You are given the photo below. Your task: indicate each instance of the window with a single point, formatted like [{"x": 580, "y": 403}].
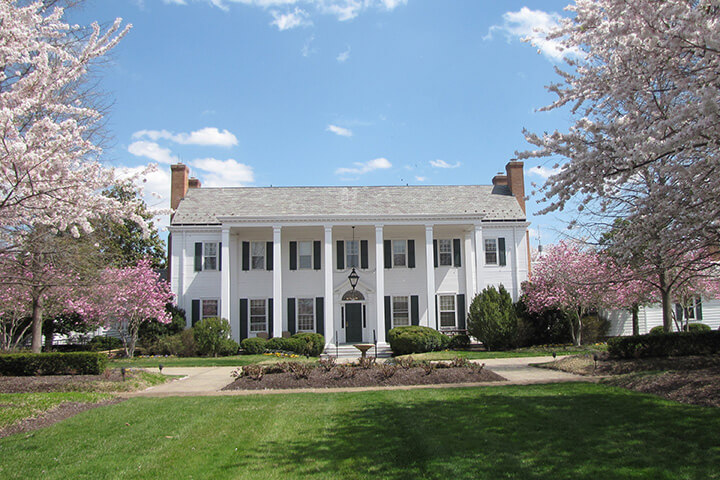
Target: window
[
  {"x": 210, "y": 256},
  {"x": 491, "y": 251},
  {"x": 305, "y": 253},
  {"x": 352, "y": 253},
  {"x": 400, "y": 311},
  {"x": 447, "y": 311},
  {"x": 692, "y": 311},
  {"x": 445, "y": 252},
  {"x": 399, "y": 253},
  {"x": 306, "y": 315},
  {"x": 209, "y": 309},
  {"x": 258, "y": 315},
  {"x": 258, "y": 255}
]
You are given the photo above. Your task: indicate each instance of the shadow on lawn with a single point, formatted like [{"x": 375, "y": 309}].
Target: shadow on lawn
[{"x": 486, "y": 434}]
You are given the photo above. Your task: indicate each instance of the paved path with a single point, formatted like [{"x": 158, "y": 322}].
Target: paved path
[{"x": 209, "y": 381}]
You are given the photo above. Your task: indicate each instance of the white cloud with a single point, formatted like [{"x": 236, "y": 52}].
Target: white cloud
[
  {"x": 443, "y": 164},
  {"x": 533, "y": 26},
  {"x": 343, "y": 56},
  {"x": 288, "y": 20},
  {"x": 208, "y": 136},
  {"x": 543, "y": 172},
  {"x": 223, "y": 173},
  {"x": 153, "y": 151},
  {"x": 365, "y": 167},
  {"x": 343, "y": 132},
  {"x": 307, "y": 48},
  {"x": 155, "y": 189},
  {"x": 420, "y": 179}
]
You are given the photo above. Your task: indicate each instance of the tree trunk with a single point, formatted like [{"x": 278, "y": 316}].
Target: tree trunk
[
  {"x": 636, "y": 319},
  {"x": 666, "y": 303},
  {"x": 37, "y": 307}
]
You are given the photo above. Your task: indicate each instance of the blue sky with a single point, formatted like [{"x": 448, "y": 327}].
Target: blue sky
[{"x": 328, "y": 92}]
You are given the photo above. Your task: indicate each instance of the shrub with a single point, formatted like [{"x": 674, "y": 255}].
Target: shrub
[
  {"x": 254, "y": 346},
  {"x": 459, "y": 342},
  {"x": 294, "y": 345},
  {"x": 152, "y": 331},
  {"x": 594, "y": 329},
  {"x": 314, "y": 343},
  {"x": 415, "y": 339},
  {"x": 212, "y": 337},
  {"x": 657, "y": 330},
  {"x": 551, "y": 326},
  {"x": 75, "y": 363},
  {"x": 698, "y": 327},
  {"x": 104, "y": 343},
  {"x": 492, "y": 319},
  {"x": 665, "y": 344}
]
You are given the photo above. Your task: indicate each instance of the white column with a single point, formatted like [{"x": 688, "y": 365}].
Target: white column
[
  {"x": 379, "y": 284},
  {"x": 277, "y": 283},
  {"x": 469, "y": 268},
  {"x": 329, "y": 304},
  {"x": 430, "y": 269},
  {"x": 225, "y": 275},
  {"x": 479, "y": 258}
]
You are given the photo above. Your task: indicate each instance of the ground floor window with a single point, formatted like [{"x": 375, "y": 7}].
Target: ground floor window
[
  {"x": 306, "y": 314},
  {"x": 400, "y": 311},
  {"x": 258, "y": 315},
  {"x": 209, "y": 309},
  {"x": 447, "y": 311}
]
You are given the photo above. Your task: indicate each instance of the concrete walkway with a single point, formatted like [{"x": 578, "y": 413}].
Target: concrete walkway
[{"x": 209, "y": 381}]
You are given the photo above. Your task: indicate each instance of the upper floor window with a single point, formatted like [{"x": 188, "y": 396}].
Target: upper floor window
[
  {"x": 400, "y": 311},
  {"x": 306, "y": 315},
  {"x": 352, "y": 253},
  {"x": 305, "y": 255},
  {"x": 257, "y": 255},
  {"x": 445, "y": 252},
  {"x": 448, "y": 315},
  {"x": 399, "y": 248},
  {"x": 210, "y": 256},
  {"x": 491, "y": 251}
]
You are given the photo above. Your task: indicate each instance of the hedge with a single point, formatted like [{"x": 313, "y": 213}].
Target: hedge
[
  {"x": 314, "y": 343},
  {"x": 294, "y": 345},
  {"x": 254, "y": 345},
  {"x": 665, "y": 344},
  {"x": 416, "y": 339},
  {"x": 74, "y": 363}
]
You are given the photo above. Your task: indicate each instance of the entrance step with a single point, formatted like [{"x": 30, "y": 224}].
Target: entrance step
[{"x": 349, "y": 351}]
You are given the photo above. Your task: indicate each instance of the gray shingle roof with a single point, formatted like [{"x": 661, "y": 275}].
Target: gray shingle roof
[{"x": 204, "y": 205}]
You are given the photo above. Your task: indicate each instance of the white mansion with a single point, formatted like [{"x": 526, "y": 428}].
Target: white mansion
[{"x": 276, "y": 260}]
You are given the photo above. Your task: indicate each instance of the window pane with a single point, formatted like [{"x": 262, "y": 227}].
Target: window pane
[
  {"x": 210, "y": 256},
  {"x": 258, "y": 255},
  {"x": 399, "y": 253},
  {"x": 491, "y": 251},
  {"x": 400, "y": 311},
  {"x": 447, "y": 319},
  {"x": 445, "y": 252},
  {"x": 306, "y": 314},
  {"x": 210, "y": 249},
  {"x": 209, "y": 308},
  {"x": 352, "y": 253},
  {"x": 447, "y": 302},
  {"x": 305, "y": 254}
]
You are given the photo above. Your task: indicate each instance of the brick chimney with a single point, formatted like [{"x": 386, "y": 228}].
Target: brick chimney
[
  {"x": 500, "y": 180},
  {"x": 516, "y": 181},
  {"x": 178, "y": 184}
]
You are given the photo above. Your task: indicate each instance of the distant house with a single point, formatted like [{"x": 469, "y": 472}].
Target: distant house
[
  {"x": 702, "y": 311},
  {"x": 276, "y": 260}
]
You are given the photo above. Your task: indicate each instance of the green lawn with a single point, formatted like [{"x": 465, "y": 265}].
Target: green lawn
[
  {"x": 520, "y": 352},
  {"x": 16, "y": 406},
  {"x": 231, "y": 361},
  {"x": 563, "y": 431}
]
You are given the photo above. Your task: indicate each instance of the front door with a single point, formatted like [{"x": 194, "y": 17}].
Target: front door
[{"x": 353, "y": 322}]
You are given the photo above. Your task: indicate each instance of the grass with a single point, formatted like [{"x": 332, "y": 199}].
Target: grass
[
  {"x": 17, "y": 406},
  {"x": 562, "y": 431},
  {"x": 517, "y": 353},
  {"x": 231, "y": 361}
]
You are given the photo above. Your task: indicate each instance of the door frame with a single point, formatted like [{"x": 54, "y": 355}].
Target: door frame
[{"x": 363, "y": 319}]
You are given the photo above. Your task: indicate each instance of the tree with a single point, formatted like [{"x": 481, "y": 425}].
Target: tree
[
  {"x": 125, "y": 298},
  {"x": 492, "y": 319},
  {"x": 50, "y": 122},
  {"x": 570, "y": 279}
]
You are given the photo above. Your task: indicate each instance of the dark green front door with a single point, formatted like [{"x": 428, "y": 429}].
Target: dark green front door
[{"x": 353, "y": 322}]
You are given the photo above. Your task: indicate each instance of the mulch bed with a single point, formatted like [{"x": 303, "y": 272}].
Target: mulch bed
[
  {"x": 693, "y": 380},
  {"x": 54, "y": 415},
  {"x": 360, "y": 377},
  {"x": 53, "y": 383}
]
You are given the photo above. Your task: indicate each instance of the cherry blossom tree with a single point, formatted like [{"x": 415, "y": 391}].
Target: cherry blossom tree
[
  {"x": 50, "y": 174},
  {"x": 568, "y": 278},
  {"x": 124, "y": 298}
]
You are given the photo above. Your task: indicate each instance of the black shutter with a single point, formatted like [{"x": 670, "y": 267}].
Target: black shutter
[
  {"x": 320, "y": 315},
  {"x": 501, "y": 252},
  {"x": 387, "y": 249},
  {"x": 195, "y": 312},
  {"x": 457, "y": 253},
  {"x": 270, "y": 316},
  {"x": 698, "y": 308},
  {"x": 679, "y": 312},
  {"x": 291, "y": 316},
  {"x": 435, "y": 253},
  {"x": 411, "y": 253},
  {"x": 364, "y": 254},
  {"x": 414, "y": 310},
  {"x": 437, "y": 314},
  {"x": 244, "y": 318},
  {"x": 461, "y": 311},
  {"x": 219, "y": 256},
  {"x": 246, "y": 255},
  {"x": 293, "y": 255},
  {"x": 316, "y": 255},
  {"x": 340, "y": 255},
  {"x": 269, "y": 256},
  {"x": 198, "y": 256},
  {"x": 388, "y": 316}
]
